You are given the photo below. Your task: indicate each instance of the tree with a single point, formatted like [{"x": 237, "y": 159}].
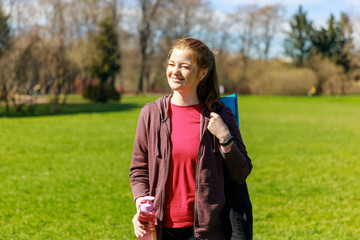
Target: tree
[
  {"x": 5, "y": 43},
  {"x": 84, "y": 17},
  {"x": 61, "y": 69},
  {"x": 192, "y": 19},
  {"x": 270, "y": 18},
  {"x": 5, "y": 36},
  {"x": 326, "y": 41},
  {"x": 346, "y": 42},
  {"x": 105, "y": 61},
  {"x": 149, "y": 9},
  {"x": 246, "y": 21},
  {"x": 115, "y": 20},
  {"x": 335, "y": 43},
  {"x": 298, "y": 43}
]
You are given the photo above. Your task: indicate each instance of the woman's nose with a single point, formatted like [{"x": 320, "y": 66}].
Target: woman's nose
[{"x": 176, "y": 69}]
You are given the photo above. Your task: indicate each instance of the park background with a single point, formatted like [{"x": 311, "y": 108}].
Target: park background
[{"x": 75, "y": 74}]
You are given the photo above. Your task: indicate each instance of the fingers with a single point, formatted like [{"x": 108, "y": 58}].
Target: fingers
[
  {"x": 215, "y": 123},
  {"x": 139, "y": 228},
  {"x": 137, "y": 202},
  {"x": 217, "y": 127}
]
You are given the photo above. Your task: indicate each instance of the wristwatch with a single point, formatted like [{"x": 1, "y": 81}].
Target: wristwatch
[{"x": 227, "y": 142}]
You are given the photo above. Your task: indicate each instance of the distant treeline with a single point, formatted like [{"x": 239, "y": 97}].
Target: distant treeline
[{"x": 101, "y": 48}]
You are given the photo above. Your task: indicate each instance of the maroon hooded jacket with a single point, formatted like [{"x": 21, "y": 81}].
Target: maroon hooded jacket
[{"x": 150, "y": 165}]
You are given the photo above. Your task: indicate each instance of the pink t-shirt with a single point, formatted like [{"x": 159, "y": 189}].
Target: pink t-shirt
[{"x": 180, "y": 184}]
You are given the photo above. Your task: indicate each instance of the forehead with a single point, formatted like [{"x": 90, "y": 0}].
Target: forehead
[{"x": 182, "y": 54}]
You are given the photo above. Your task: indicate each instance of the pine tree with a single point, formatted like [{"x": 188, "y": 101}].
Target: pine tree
[
  {"x": 5, "y": 35},
  {"x": 298, "y": 42},
  {"x": 105, "y": 61},
  {"x": 335, "y": 41}
]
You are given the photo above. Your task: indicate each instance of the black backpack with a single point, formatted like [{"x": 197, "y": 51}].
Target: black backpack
[{"x": 238, "y": 211}]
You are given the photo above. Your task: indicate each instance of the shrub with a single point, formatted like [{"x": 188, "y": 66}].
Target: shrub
[
  {"x": 280, "y": 79},
  {"x": 98, "y": 93}
]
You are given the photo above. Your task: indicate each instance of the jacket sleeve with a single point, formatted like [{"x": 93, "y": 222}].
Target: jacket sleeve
[
  {"x": 236, "y": 161},
  {"x": 139, "y": 173}
]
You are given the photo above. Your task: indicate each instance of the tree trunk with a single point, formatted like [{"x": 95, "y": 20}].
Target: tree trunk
[
  {"x": 319, "y": 88},
  {"x": 7, "y": 107},
  {"x": 148, "y": 11},
  {"x": 5, "y": 96},
  {"x": 343, "y": 86},
  {"x": 144, "y": 38}
]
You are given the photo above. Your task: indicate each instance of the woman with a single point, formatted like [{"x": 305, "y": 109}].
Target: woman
[{"x": 184, "y": 144}]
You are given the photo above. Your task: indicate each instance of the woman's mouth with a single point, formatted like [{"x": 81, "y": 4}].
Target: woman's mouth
[{"x": 176, "y": 79}]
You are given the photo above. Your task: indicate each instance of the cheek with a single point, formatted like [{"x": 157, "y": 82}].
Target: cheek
[
  {"x": 190, "y": 73},
  {"x": 168, "y": 71},
  {"x": 195, "y": 76}
]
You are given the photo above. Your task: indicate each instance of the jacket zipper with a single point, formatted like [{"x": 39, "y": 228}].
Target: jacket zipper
[
  {"x": 202, "y": 128},
  {"x": 167, "y": 166}
]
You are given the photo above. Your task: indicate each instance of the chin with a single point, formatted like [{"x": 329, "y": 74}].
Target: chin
[{"x": 175, "y": 86}]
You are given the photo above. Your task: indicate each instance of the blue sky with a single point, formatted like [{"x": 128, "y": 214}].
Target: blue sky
[{"x": 317, "y": 10}]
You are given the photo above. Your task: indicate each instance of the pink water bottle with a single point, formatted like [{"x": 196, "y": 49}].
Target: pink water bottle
[{"x": 147, "y": 217}]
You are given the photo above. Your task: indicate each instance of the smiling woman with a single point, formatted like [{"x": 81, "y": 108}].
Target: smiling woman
[{"x": 186, "y": 146}]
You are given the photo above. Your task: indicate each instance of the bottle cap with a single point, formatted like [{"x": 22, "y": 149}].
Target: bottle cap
[{"x": 146, "y": 204}]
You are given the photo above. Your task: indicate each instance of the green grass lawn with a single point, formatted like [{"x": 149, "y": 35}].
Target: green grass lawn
[{"x": 66, "y": 176}]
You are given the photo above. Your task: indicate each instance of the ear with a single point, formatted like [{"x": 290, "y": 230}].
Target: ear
[{"x": 203, "y": 73}]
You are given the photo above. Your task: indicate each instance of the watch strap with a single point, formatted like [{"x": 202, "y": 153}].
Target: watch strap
[{"x": 227, "y": 142}]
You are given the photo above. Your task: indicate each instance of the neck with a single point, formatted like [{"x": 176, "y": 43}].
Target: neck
[{"x": 184, "y": 99}]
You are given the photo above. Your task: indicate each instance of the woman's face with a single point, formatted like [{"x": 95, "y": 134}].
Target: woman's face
[{"x": 182, "y": 72}]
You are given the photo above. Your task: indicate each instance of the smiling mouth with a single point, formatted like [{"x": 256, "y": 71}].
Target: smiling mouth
[{"x": 175, "y": 79}]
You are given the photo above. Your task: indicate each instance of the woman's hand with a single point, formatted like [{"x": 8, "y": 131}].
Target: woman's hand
[
  {"x": 139, "y": 228},
  {"x": 219, "y": 129}
]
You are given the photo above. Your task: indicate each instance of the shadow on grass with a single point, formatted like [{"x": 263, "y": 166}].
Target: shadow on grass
[{"x": 71, "y": 108}]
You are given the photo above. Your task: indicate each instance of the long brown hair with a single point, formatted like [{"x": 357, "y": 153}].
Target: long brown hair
[{"x": 207, "y": 89}]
